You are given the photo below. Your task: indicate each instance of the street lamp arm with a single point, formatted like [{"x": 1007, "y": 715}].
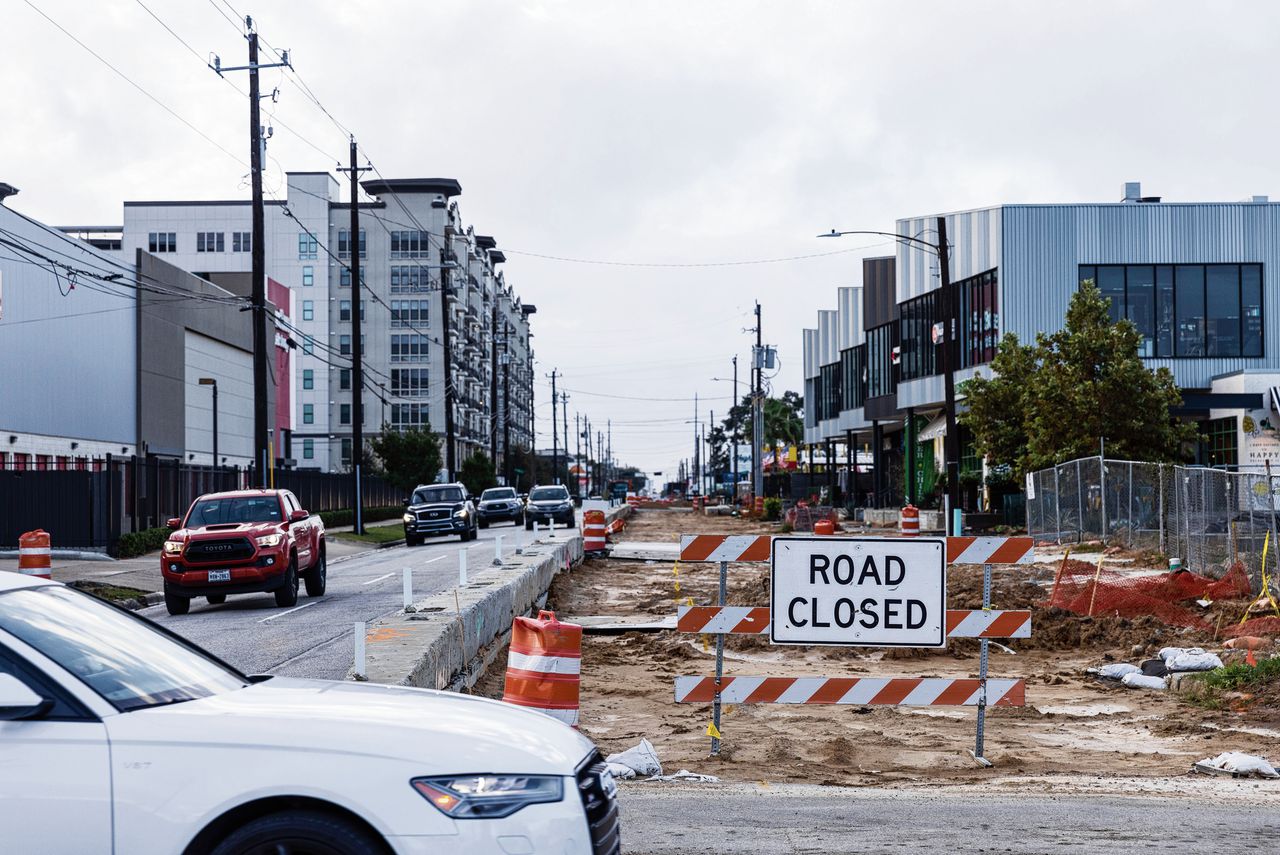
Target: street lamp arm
[{"x": 924, "y": 243}]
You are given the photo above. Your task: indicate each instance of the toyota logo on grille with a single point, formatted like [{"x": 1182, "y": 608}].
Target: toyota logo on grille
[{"x": 219, "y": 547}]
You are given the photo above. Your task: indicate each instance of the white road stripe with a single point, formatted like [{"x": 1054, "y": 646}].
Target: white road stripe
[
  {"x": 379, "y": 579},
  {"x": 289, "y": 611},
  {"x": 434, "y": 560}
]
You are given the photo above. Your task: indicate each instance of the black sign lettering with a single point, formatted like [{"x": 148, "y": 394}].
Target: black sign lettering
[
  {"x": 846, "y": 577},
  {"x": 818, "y": 564},
  {"x": 869, "y": 569},
  {"x": 916, "y": 613},
  {"x": 892, "y": 563},
  {"x": 845, "y": 620},
  {"x": 868, "y": 608},
  {"x": 791, "y": 612},
  {"x": 817, "y": 623}
]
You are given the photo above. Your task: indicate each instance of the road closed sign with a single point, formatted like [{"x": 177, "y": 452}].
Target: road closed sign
[{"x": 859, "y": 591}]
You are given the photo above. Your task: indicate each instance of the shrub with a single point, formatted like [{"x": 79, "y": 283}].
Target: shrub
[
  {"x": 332, "y": 519},
  {"x": 772, "y": 508},
  {"x": 136, "y": 543}
]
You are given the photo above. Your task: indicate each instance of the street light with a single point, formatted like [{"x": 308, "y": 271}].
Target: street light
[
  {"x": 209, "y": 381},
  {"x": 949, "y": 355}
]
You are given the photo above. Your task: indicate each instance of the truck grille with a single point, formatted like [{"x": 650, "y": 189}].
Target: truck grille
[
  {"x": 431, "y": 515},
  {"x": 217, "y": 551},
  {"x": 601, "y": 807}
]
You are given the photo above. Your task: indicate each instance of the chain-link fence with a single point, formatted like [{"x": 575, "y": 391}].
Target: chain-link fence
[{"x": 1209, "y": 518}]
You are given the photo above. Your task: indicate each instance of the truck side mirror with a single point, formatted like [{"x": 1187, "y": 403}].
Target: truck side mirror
[
  {"x": 298, "y": 516},
  {"x": 174, "y": 522}
]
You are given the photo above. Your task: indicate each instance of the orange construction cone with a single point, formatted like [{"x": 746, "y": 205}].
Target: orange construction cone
[{"x": 543, "y": 666}]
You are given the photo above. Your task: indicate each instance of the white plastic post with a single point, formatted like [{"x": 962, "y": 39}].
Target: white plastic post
[
  {"x": 462, "y": 567},
  {"x": 497, "y": 549},
  {"x": 408, "y": 588},
  {"x": 553, "y": 528},
  {"x": 359, "y": 664}
]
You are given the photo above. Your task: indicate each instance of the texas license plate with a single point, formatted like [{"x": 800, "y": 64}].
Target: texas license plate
[{"x": 219, "y": 575}]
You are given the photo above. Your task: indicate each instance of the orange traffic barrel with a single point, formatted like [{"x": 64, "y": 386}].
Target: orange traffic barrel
[
  {"x": 35, "y": 554},
  {"x": 909, "y": 522},
  {"x": 824, "y": 527},
  {"x": 593, "y": 531},
  {"x": 544, "y": 664}
]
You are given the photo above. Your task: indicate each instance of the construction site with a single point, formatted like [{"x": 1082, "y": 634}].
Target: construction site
[{"x": 1095, "y": 614}]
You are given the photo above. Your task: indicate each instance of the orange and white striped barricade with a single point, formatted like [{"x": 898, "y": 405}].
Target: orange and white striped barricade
[
  {"x": 544, "y": 666},
  {"x": 909, "y": 521},
  {"x": 593, "y": 532},
  {"x": 35, "y": 554},
  {"x": 853, "y": 561}
]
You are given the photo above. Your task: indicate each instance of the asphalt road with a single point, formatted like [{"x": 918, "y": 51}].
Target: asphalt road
[
  {"x": 660, "y": 819},
  {"x": 314, "y": 638}
]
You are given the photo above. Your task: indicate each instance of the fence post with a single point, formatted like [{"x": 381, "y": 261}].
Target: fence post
[
  {"x": 1160, "y": 505},
  {"x": 1131, "y": 524},
  {"x": 1102, "y": 490},
  {"x": 1057, "y": 505},
  {"x": 1080, "y": 504}
]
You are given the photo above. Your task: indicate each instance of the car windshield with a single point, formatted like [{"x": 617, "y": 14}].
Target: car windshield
[
  {"x": 437, "y": 494},
  {"x": 548, "y": 494},
  {"x": 117, "y": 655},
  {"x": 497, "y": 493},
  {"x": 238, "y": 509}
]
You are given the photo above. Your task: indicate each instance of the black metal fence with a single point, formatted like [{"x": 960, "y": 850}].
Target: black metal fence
[{"x": 91, "y": 508}]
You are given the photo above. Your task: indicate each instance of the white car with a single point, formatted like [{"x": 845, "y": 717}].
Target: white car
[{"x": 117, "y": 736}]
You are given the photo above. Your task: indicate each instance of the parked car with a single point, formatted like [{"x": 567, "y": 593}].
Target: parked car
[
  {"x": 549, "y": 503},
  {"x": 499, "y": 504},
  {"x": 436, "y": 509},
  {"x": 243, "y": 542},
  {"x": 162, "y": 748}
]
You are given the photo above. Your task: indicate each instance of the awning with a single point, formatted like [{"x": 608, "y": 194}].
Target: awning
[{"x": 933, "y": 430}]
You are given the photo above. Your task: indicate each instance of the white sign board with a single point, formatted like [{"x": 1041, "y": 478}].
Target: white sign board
[{"x": 859, "y": 591}]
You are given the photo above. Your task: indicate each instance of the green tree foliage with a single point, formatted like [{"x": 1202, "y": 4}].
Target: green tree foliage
[
  {"x": 783, "y": 420},
  {"x": 409, "y": 457},
  {"x": 1053, "y": 401},
  {"x": 477, "y": 473}
]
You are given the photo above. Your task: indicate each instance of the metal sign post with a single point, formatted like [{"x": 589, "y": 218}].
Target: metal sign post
[
  {"x": 983, "y": 645},
  {"x": 716, "y": 702}
]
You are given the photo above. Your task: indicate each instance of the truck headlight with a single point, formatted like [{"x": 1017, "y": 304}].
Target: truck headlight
[
  {"x": 270, "y": 539},
  {"x": 488, "y": 796},
  {"x": 173, "y": 547},
  {"x": 409, "y": 518},
  {"x": 462, "y": 514}
]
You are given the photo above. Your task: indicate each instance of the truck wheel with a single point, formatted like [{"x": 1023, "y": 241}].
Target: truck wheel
[
  {"x": 484, "y": 523},
  {"x": 216, "y": 599},
  {"x": 316, "y": 578},
  {"x": 288, "y": 594},
  {"x": 175, "y": 604},
  {"x": 412, "y": 540},
  {"x": 300, "y": 831}
]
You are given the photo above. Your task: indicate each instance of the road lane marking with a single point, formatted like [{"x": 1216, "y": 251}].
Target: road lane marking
[
  {"x": 288, "y": 612},
  {"x": 379, "y": 579},
  {"x": 434, "y": 560}
]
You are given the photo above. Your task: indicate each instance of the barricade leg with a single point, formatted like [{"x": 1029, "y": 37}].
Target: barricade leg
[
  {"x": 715, "y": 703},
  {"x": 983, "y": 649}
]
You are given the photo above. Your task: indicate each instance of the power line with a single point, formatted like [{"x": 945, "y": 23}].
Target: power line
[{"x": 672, "y": 264}]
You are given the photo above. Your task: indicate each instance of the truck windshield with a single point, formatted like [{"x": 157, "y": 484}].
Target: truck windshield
[
  {"x": 498, "y": 493},
  {"x": 437, "y": 494},
  {"x": 240, "y": 509},
  {"x": 548, "y": 494}
]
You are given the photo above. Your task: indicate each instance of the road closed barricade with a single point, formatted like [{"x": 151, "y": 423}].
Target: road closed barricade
[{"x": 861, "y": 592}]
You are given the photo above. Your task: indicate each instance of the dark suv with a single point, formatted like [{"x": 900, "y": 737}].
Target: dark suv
[
  {"x": 440, "y": 509},
  {"x": 549, "y": 503},
  {"x": 499, "y": 504}
]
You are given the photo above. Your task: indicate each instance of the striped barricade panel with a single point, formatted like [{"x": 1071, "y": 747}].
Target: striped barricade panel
[
  {"x": 990, "y": 550},
  {"x": 748, "y": 620},
  {"x": 960, "y": 550},
  {"x": 859, "y": 691}
]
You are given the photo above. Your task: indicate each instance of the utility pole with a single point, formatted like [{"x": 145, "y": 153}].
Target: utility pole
[
  {"x": 696, "y": 485},
  {"x": 711, "y": 420},
  {"x": 357, "y": 349},
  {"x": 734, "y": 440},
  {"x": 577, "y": 454},
  {"x": 258, "y": 278},
  {"x": 951, "y": 443},
  {"x": 757, "y": 413},
  {"x": 493, "y": 388},
  {"x": 555, "y": 442},
  {"x": 506, "y": 406},
  {"x": 609, "y": 454},
  {"x": 446, "y": 258},
  {"x": 564, "y": 403}
]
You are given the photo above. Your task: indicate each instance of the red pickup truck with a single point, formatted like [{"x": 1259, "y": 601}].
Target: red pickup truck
[{"x": 243, "y": 542}]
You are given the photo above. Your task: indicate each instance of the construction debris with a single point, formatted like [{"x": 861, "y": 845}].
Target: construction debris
[
  {"x": 641, "y": 760},
  {"x": 1141, "y": 681},
  {"x": 1237, "y": 765}
]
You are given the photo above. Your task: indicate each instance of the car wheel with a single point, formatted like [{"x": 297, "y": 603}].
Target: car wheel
[
  {"x": 410, "y": 540},
  {"x": 300, "y": 831},
  {"x": 216, "y": 599},
  {"x": 316, "y": 578},
  {"x": 287, "y": 595},
  {"x": 484, "y": 523},
  {"x": 177, "y": 605}
]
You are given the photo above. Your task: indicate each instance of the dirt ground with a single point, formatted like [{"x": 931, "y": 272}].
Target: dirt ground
[{"x": 1072, "y": 728}]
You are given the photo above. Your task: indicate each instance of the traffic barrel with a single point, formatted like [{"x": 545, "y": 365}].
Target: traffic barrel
[
  {"x": 909, "y": 521},
  {"x": 824, "y": 527},
  {"x": 593, "y": 532},
  {"x": 34, "y": 554},
  {"x": 759, "y": 506},
  {"x": 544, "y": 664}
]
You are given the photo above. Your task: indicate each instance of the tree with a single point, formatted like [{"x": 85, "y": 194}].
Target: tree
[
  {"x": 783, "y": 420},
  {"x": 410, "y": 457},
  {"x": 1054, "y": 400},
  {"x": 718, "y": 457},
  {"x": 477, "y": 473}
]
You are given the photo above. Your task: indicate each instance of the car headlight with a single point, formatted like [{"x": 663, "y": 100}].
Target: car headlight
[
  {"x": 462, "y": 514},
  {"x": 488, "y": 796},
  {"x": 173, "y": 547},
  {"x": 271, "y": 539},
  {"x": 409, "y": 518}
]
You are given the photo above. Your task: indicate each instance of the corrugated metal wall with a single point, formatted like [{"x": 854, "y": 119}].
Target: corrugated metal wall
[
  {"x": 974, "y": 239},
  {"x": 879, "y": 292},
  {"x": 850, "y": 308},
  {"x": 811, "y": 363},
  {"x": 828, "y": 337}
]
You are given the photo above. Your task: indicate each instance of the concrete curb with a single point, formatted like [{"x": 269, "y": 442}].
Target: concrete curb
[{"x": 65, "y": 554}]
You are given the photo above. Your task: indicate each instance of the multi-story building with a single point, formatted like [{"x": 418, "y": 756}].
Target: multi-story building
[
  {"x": 1194, "y": 278},
  {"x": 412, "y": 244}
]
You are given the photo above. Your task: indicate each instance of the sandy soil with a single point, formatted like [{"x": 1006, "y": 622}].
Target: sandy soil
[{"x": 1072, "y": 726}]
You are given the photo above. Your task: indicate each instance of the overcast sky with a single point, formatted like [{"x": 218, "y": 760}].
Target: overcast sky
[{"x": 650, "y": 132}]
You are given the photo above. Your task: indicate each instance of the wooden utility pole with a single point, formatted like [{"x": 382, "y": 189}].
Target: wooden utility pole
[{"x": 357, "y": 349}]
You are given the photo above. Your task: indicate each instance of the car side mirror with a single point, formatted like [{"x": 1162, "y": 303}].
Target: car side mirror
[
  {"x": 298, "y": 516},
  {"x": 17, "y": 701},
  {"x": 406, "y": 503},
  {"x": 174, "y": 522}
]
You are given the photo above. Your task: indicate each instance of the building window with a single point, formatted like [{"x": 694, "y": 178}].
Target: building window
[
  {"x": 344, "y": 345},
  {"x": 308, "y": 276},
  {"x": 308, "y": 414},
  {"x": 308, "y": 378},
  {"x": 915, "y": 332},
  {"x": 853, "y": 374},
  {"x": 307, "y": 246},
  {"x": 880, "y": 344},
  {"x": 1186, "y": 310},
  {"x": 409, "y": 244},
  {"x": 308, "y": 345},
  {"x": 408, "y": 313},
  {"x": 409, "y": 382},
  {"x": 344, "y": 310},
  {"x": 828, "y": 391},
  {"x": 346, "y": 451},
  {"x": 308, "y": 310},
  {"x": 979, "y": 313},
  {"x": 1220, "y": 441},
  {"x": 344, "y": 378},
  {"x": 408, "y": 279},
  {"x": 210, "y": 242},
  {"x": 344, "y": 243},
  {"x": 162, "y": 241},
  {"x": 344, "y": 414},
  {"x": 242, "y": 241},
  {"x": 408, "y": 348},
  {"x": 409, "y": 415},
  {"x": 308, "y": 449}
]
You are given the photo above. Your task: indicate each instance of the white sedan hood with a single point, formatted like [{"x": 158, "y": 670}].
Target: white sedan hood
[{"x": 442, "y": 732}]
